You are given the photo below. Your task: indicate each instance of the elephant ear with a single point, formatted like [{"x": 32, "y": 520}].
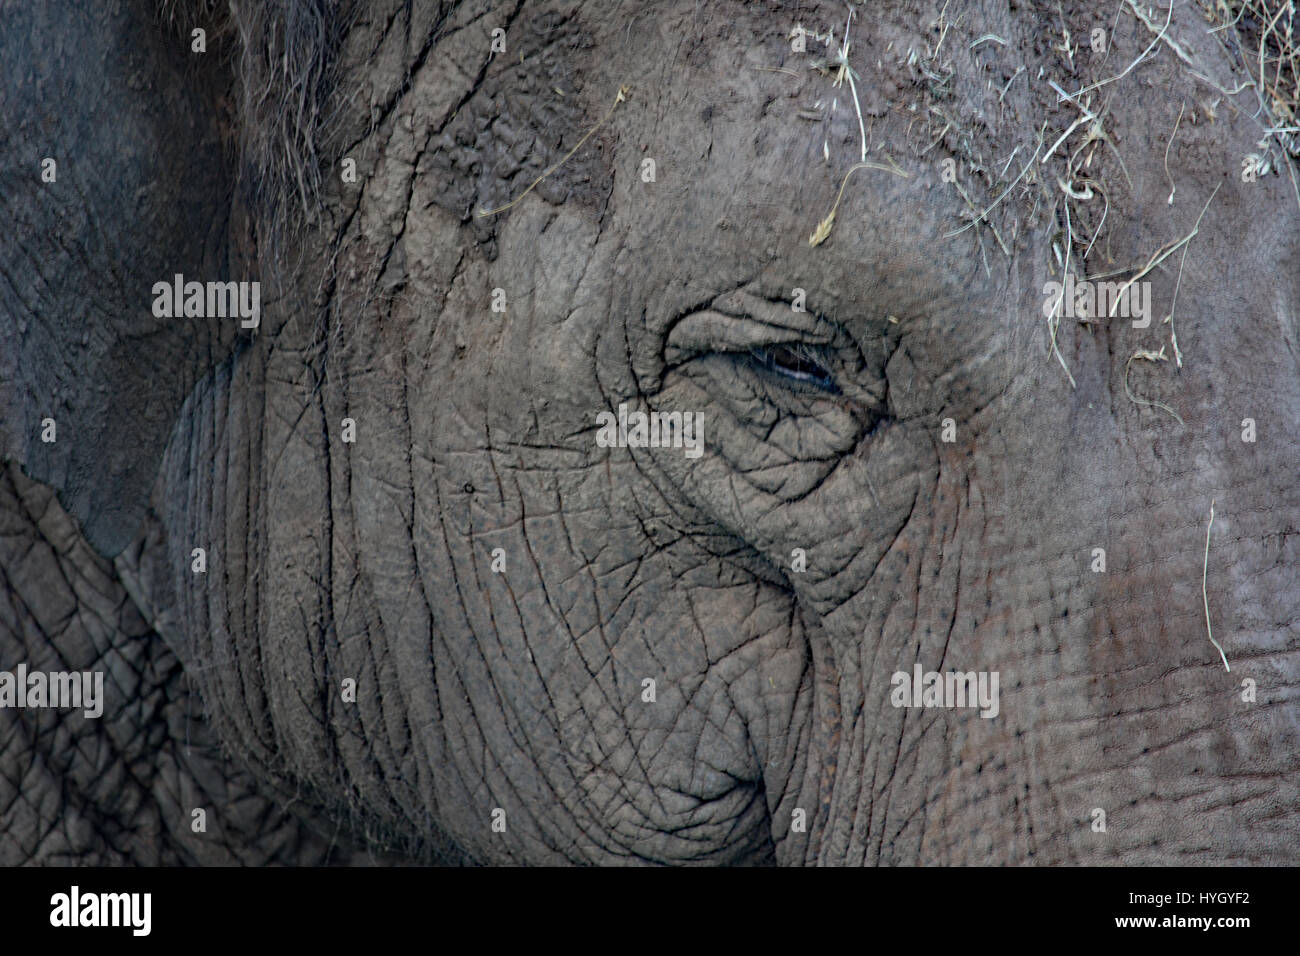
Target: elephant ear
[{"x": 116, "y": 178}]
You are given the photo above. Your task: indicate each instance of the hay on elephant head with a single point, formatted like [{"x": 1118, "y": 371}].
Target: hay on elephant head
[{"x": 1269, "y": 29}]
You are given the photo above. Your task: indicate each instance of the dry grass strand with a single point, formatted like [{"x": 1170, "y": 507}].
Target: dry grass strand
[
  {"x": 823, "y": 230},
  {"x": 620, "y": 97}
]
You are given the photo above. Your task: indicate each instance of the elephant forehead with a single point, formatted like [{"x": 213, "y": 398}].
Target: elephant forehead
[{"x": 738, "y": 178}]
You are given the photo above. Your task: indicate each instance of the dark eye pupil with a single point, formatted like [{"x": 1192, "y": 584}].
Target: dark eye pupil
[{"x": 796, "y": 363}]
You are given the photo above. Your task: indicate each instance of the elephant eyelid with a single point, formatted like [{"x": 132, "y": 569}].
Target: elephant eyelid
[
  {"x": 713, "y": 330},
  {"x": 796, "y": 363}
]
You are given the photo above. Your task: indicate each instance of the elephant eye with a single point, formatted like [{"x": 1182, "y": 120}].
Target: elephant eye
[{"x": 796, "y": 363}]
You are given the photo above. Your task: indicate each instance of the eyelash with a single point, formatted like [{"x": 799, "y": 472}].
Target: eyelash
[{"x": 795, "y": 363}]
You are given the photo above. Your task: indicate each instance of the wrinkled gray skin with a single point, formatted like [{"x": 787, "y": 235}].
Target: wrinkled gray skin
[{"x": 475, "y": 430}]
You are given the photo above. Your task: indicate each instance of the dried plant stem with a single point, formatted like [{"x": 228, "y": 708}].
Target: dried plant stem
[
  {"x": 846, "y": 72},
  {"x": 1105, "y": 210},
  {"x": 1162, "y": 254},
  {"x": 622, "y": 95},
  {"x": 1141, "y": 56},
  {"x": 1148, "y": 356},
  {"x": 1160, "y": 34},
  {"x": 1019, "y": 70},
  {"x": 1072, "y": 127},
  {"x": 1053, "y": 326},
  {"x": 1173, "y": 335},
  {"x": 1025, "y": 169},
  {"x": 824, "y": 227},
  {"x": 996, "y": 235},
  {"x": 1205, "y": 597},
  {"x": 853, "y": 88},
  {"x": 1172, "y": 187}
]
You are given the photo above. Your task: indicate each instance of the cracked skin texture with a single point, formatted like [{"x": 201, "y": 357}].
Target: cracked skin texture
[{"x": 475, "y": 430}]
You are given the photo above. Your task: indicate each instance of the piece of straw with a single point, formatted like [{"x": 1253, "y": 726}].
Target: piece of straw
[
  {"x": 622, "y": 95},
  {"x": 1204, "y": 568},
  {"x": 823, "y": 229}
]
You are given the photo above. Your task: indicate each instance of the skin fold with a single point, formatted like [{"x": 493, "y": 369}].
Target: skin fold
[{"x": 901, "y": 473}]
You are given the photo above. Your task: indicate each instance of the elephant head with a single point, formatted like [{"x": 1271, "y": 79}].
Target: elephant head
[{"x": 687, "y": 433}]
